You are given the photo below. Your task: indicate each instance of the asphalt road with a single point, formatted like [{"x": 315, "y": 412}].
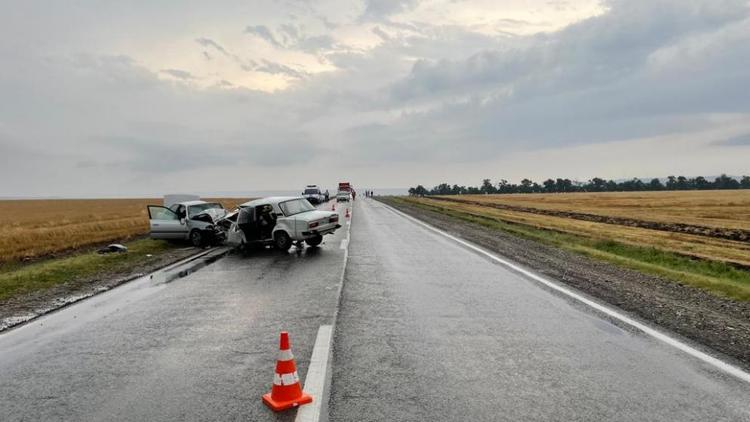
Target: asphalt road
[
  {"x": 430, "y": 330},
  {"x": 201, "y": 347}
]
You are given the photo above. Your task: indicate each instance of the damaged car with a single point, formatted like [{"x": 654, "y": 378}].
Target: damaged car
[
  {"x": 279, "y": 222},
  {"x": 193, "y": 220}
]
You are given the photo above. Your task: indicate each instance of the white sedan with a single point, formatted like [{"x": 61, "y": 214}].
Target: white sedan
[{"x": 278, "y": 221}]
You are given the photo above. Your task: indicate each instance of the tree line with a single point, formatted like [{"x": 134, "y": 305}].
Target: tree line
[{"x": 596, "y": 184}]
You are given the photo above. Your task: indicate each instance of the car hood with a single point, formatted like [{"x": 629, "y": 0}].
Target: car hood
[
  {"x": 313, "y": 215},
  {"x": 216, "y": 214}
]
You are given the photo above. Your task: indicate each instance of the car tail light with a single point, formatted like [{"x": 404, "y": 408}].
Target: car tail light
[
  {"x": 314, "y": 224},
  {"x": 334, "y": 218}
]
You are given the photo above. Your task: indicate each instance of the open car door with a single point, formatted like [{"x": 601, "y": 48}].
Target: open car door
[
  {"x": 165, "y": 223},
  {"x": 246, "y": 223}
]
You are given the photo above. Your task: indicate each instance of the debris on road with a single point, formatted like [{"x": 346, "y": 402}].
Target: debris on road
[{"x": 113, "y": 248}]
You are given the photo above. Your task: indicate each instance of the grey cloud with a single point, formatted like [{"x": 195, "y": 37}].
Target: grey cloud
[
  {"x": 163, "y": 156},
  {"x": 279, "y": 69},
  {"x": 426, "y": 94},
  {"x": 742, "y": 140},
  {"x": 381, "y": 9},
  {"x": 293, "y": 38},
  {"x": 179, "y": 74},
  {"x": 264, "y": 33},
  {"x": 380, "y": 33},
  {"x": 289, "y": 31},
  {"x": 618, "y": 76},
  {"x": 316, "y": 44},
  {"x": 246, "y": 65},
  {"x": 207, "y": 42}
]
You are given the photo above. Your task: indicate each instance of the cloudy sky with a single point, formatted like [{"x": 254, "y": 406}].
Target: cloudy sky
[{"x": 145, "y": 97}]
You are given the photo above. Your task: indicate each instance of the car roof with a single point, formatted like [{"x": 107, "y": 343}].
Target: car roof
[
  {"x": 269, "y": 200},
  {"x": 188, "y": 203}
]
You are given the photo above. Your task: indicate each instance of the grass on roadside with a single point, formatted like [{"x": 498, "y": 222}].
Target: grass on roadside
[
  {"x": 17, "y": 279},
  {"x": 716, "y": 277}
]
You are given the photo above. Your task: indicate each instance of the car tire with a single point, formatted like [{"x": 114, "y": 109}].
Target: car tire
[
  {"x": 283, "y": 241},
  {"x": 196, "y": 238},
  {"x": 314, "y": 241}
]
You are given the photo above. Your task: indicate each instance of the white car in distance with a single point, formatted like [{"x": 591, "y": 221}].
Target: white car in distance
[
  {"x": 343, "y": 196},
  {"x": 278, "y": 221},
  {"x": 313, "y": 194}
]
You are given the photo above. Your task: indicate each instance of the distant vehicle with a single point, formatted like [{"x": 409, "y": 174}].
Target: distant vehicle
[
  {"x": 346, "y": 187},
  {"x": 313, "y": 194},
  {"x": 343, "y": 196},
  {"x": 192, "y": 220},
  {"x": 278, "y": 221}
]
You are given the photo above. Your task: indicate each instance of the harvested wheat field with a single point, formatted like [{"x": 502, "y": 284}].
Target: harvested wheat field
[
  {"x": 727, "y": 211},
  {"x": 35, "y": 228}
]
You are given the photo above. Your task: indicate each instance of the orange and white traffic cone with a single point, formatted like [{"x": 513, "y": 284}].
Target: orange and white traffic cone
[
  {"x": 347, "y": 213},
  {"x": 286, "y": 392},
  {"x": 333, "y": 207}
]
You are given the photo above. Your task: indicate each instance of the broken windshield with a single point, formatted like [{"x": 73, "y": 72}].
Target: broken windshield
[{"x": 197, "y": 209}]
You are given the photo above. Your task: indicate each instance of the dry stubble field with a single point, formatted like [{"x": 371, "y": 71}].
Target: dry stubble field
[
  {"x": 36, "y": 228},
  {"x": 723, "y": 210}
]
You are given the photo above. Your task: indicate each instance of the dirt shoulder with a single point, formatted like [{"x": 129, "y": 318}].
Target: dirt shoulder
[
  {"x": 81, "y": 279},
  {"x": 719, "y": 323}
]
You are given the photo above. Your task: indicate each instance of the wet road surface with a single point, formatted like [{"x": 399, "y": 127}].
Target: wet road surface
[
  {"x": 201, "y": 347},
  {"x": 429, "y": 330}
]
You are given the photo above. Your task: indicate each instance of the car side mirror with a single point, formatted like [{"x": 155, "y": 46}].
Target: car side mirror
[{"x": 183, "y": 221}]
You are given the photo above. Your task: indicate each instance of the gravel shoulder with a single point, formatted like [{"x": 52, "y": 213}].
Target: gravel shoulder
[{"x": 718, "y": 323}]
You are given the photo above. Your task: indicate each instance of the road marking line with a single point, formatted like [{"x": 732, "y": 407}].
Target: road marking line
[
  {"x": 317, "y": 381},
  {"x": 316, "y": 376},
  {"x": 717, "y": 363}
]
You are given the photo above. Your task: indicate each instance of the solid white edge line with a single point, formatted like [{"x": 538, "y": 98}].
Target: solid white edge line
[
  {"x": 316, "y": 376},
  {"x": 717, "y": 363}
]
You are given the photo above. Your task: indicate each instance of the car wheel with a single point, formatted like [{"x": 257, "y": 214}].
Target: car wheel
[
  {"x": 283, "y": 241},
  {"x": 196, "y": 238},
  {"x": 314, "y": 241}
]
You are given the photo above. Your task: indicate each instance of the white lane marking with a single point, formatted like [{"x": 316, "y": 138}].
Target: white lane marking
[
  {"x": 717, "y": 363},
  {"x": 316, "y": 382},
  {"x": 316, "y": 376}
]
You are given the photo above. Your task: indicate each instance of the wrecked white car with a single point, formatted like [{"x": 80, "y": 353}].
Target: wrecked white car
[
  {"x": 193, "y": 220},
  {"x": 278, "y": 221}
]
